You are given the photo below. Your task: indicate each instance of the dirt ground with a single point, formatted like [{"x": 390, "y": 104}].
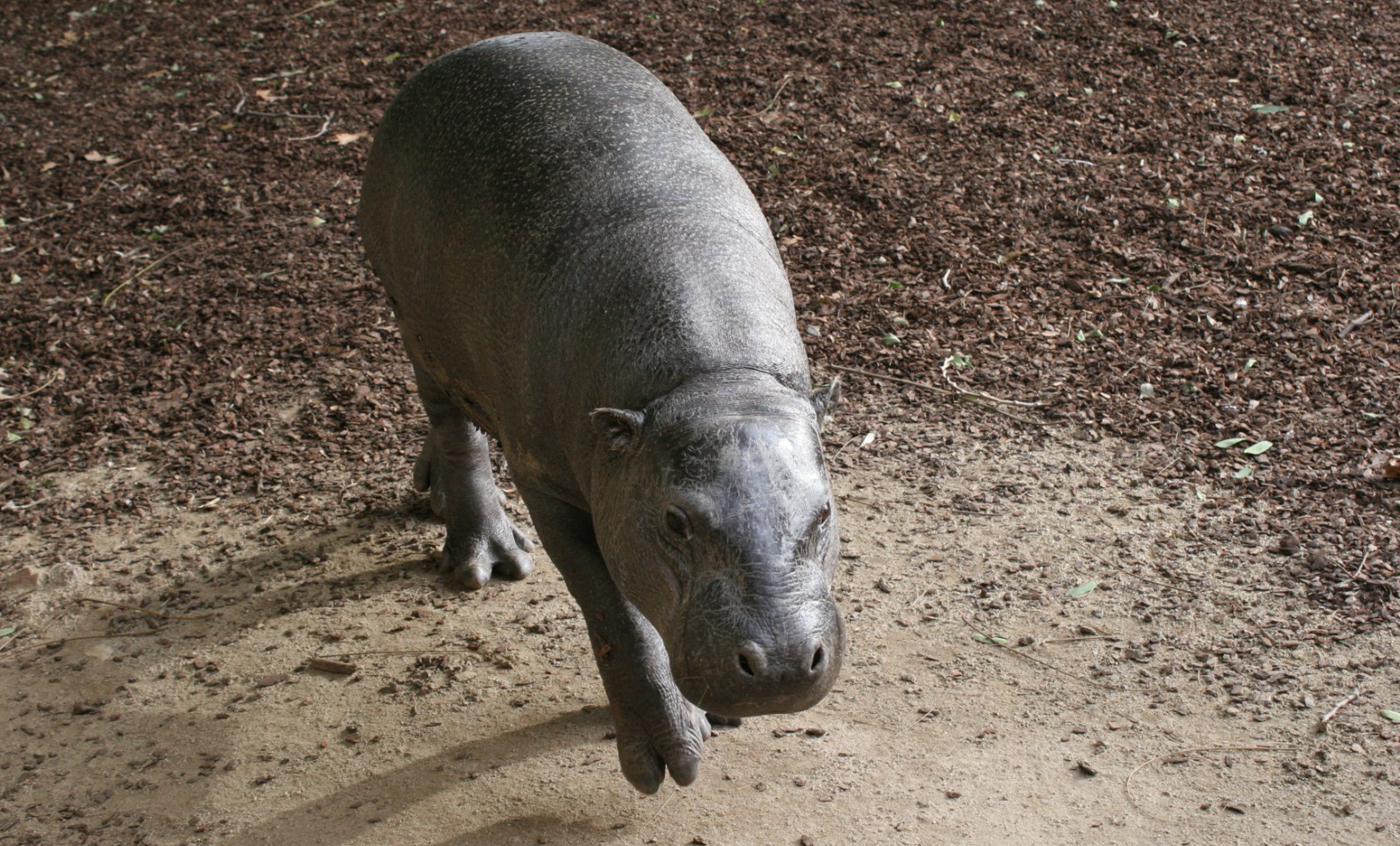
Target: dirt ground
[{"x": 1163, "y": 226}]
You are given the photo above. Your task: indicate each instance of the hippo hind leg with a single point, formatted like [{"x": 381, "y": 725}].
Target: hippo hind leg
[{"x": 455, "y": 470}]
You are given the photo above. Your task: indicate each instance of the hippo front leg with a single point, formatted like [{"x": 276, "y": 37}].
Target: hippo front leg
[{"x": 657, "y": 729}]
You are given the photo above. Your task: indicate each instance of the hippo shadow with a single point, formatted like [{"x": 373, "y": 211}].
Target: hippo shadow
[{"x": 351, "y": 812}]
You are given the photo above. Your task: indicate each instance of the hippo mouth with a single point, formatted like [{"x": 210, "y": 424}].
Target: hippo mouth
[{"x": 763, "y": 667}]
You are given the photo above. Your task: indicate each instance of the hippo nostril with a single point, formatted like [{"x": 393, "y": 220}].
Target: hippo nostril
[
  {"x": 818, "y": 656},
  {"x": 744, "y": 666}
]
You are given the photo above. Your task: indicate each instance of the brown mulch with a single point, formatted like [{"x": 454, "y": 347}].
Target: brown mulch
[{"x": 1172, "y": 223}]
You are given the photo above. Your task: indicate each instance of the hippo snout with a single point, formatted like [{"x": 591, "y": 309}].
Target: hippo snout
[{"x": 740, "y": 664}]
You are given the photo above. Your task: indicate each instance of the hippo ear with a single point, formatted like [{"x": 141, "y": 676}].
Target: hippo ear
[
  {"x": 825, "y": 399},
  {"x": 620, "y": 429}
]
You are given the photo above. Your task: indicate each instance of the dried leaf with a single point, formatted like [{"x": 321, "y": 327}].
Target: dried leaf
[
  {"x": 1084, "y": 589},
  {"x": 344, "y": 138}
]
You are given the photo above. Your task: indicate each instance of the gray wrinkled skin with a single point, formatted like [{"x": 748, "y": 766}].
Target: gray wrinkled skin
[{"x": 578, "y": 272}]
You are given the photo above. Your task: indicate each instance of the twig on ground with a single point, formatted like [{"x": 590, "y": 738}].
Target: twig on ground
[
  {"x": 1122, "y": 569},
  {"x": 1355, "y": 323},
  {"x": 143, "y": 271},
  {"x": 145, "y": 611},
  {"x": 421, "y": 651},
  {"x": 62, "y": 640},
  {"x": 1361, "y": 566},
  {"x": 330, "y": 665},
  {"x": 771, "y": 101},
  {"x": 279, "y": 75},
  {"x": 1127, "y": 783},
  {"x": 991, "y": 640},
  {"x": 318, "y": 133},
  {"x": 309, "y": 9},
  {"x": 15, "y": 507},
  {"x": 988, "y": 397},
  {"x": 899, "y": 379},
  {"x": 1321, "y": 726},
  {"x": 289, "y": 115},
  {"x": 939, "y": 390},
  {"x": 52, "y": 378}
]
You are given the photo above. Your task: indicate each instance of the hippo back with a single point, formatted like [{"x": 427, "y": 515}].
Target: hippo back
[{"x": 558, "y": 234}]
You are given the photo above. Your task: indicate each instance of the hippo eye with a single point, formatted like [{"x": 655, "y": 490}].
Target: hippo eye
[
  {"x": 824, "y": 516},
  {"x": 677, "y": 523}
]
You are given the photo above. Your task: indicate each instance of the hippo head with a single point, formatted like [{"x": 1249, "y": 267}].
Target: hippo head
[{"x": 713, "y": 510}]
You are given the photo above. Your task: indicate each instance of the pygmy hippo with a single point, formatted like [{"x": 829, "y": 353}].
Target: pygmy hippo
[{"x": 578, "y": 272}]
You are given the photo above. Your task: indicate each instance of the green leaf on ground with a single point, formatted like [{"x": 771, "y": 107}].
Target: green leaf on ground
[
  {"x": 1228, "y": 442},
  {"x": 7, "y": 631},
  {"x": 1305, "y": 218},
  {"x": 1266, "y": 109},
  {"x": 981, "y": 638},
  {"x": 1084, "y": 589},
  {"x": 1245, "y": 472},
  {"x": 1393, "y": 716},
  {"x": 1259, "y": 448}
]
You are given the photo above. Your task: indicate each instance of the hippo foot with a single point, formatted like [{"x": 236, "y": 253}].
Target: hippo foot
[
  {"x": 500, "y": 551},
  {"x": 648, "y": 745},
  {"x": 481, "y": 540},
  {"x": 716, "y": 721}
]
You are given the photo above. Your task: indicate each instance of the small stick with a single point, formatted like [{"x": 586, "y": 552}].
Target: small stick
[
  {"x": 327, "y": 665},
  {"x": 961, "y": 390},
  {"x": 52, "y": 376},
  {"x": 63, "y": 640},
  {"x": 318, "y": 133},
  {"x": 309, "y": 9},
  {"x": 1359, "y": 567},
  {"x": 138, "y": 274},
  {"x": 285, "y": 115},
  {"x": 924, "y": 716},
  {"x": 1110, "y": 638},
  {"x": 12, "y": 506},
  {"x": 774, "y": 99},
  {"x": 421, "y": 651},
  {"x": 937, "y": 390},
  {"x": 279, "y": 75},
  {"x": 147, "y": 612},
  {"x": 1127, "y": 783},
  {"x": 1321, "y": 726},
  {"x": 1035, "y": 660},
  {"x": 871, "y": 374}
]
